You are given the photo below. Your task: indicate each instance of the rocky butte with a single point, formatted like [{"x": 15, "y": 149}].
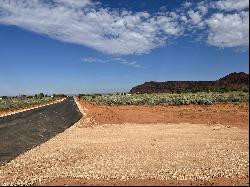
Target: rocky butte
[{"x": 232, "y": 82}]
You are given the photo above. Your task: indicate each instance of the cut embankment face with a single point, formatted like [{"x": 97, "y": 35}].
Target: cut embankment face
[
  {"x": 23, "y": 131},
  {"x": 226, "y": 114}
]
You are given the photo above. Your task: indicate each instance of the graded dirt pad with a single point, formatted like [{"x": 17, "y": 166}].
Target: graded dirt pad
[
  {"x": 133, "y": 154},
  {"x": 226, "y": 114}
]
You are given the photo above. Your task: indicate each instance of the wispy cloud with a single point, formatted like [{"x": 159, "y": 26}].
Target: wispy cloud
[
  {"x": 229, "y": 30},
  {"x": 229, "y": 5},
  {"x": 122, "y": 32},
  {"x": 115, "y": 77},
  {"x": 106, "y": 30},
  {"x": 223, "y": 23},
  {"x": 111, "y": 60}
]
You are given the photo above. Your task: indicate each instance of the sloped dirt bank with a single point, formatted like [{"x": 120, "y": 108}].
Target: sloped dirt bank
[{"x": 226, "y": 114}]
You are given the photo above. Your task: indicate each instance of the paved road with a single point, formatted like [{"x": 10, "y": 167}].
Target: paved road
[{"x": 23, "y": 131}]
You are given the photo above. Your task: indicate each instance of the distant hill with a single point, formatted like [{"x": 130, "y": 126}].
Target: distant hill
[
  {"x": 232, "y": 82},
  {"x": 234, "y": 79}
]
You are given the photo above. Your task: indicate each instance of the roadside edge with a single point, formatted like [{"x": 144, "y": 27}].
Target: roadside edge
[
  {"x": 30, "y": 108},
  {"x": 82, "y": 110}
]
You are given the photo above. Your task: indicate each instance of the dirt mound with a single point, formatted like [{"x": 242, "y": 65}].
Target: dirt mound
[{"x": 233, "y": 81}]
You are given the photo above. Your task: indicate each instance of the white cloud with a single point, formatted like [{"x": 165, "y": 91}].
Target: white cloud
[
  {"x": 203, "y": 9},
  {"x": 196, "y": 17},
  {"x": 80, "y": 22},
  {"x": 121, "y": 32},
  {"x": 74, "y": 3},
  {"x": 187, "y": 4},
  {"x": 115, "y": 77},
  {"x": 229, "y": 30},
  {"x": 230, "y": 5},
  {"x": 111, "y": 60},
  {"x": 89, "y": 59},
  {"x": 183, "y": 18}
]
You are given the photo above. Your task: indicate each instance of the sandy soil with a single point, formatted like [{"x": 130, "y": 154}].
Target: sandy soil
[
  {"x": 226, "y": 114},
  {"x": 135, "y": 154},
  {"x": 152, "y": 182}
]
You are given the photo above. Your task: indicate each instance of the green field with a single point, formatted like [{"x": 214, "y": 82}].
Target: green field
[{"x": 201, "y": 98}]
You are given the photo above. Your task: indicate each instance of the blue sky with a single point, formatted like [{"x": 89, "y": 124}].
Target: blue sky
[{"x": 72, "y": 46}]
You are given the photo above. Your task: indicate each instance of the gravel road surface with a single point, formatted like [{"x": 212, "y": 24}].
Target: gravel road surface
[{"x": 23, "y": 131}]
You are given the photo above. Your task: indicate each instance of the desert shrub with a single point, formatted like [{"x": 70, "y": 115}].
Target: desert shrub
[
  {"x": 200, "y": 98},
  {"x": 22, "y": 102}
]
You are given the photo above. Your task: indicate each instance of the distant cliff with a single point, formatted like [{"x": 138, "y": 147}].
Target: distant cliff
[{"x": 231, "y": 82}]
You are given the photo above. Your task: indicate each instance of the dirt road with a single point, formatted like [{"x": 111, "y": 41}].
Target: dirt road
[{"x": 23, "y": 131}]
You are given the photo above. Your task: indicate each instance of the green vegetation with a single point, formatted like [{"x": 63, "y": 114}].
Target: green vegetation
[
  {"x": 23, "y": 101},
  {"x": 200, "y": 98}
]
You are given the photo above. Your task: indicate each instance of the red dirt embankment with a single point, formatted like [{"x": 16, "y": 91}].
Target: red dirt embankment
[{"x": 226, "y": 114}]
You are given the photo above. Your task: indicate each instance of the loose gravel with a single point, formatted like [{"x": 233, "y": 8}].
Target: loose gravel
[{"x": 135, "y": 152}]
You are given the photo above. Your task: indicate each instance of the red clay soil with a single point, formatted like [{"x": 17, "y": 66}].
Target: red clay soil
[{"x": 226, "y": 114}]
